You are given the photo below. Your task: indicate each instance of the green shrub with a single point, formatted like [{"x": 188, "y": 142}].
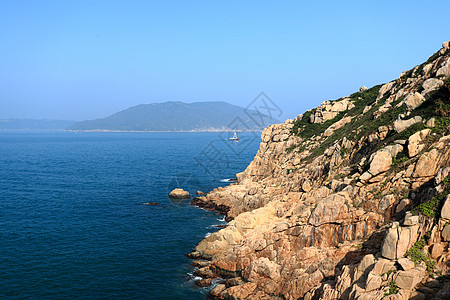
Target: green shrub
[
  {"x": 401, "y": 157},
  {"x": 291, "y": 148},
  {"x": 405, "y": 134},
  {"x": 417, "y": 255},
  {"x": 432, "y": 207},
  {"x": 432, "y": 58},
  {"x": 308, "y": 130},
  {"x": 303, "y": 122},
  {"x": 362, "y": 125},
  {"x": 393, "y": 288},
  {"x": 360, "y": 99},
  {"x": 408, "y": 74},
  {"x": 338, "y": 176},
  {"x": 369, "y": 125}
]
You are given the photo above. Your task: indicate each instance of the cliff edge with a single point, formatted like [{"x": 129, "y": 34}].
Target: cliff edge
[{"x": 347, "y": 201}]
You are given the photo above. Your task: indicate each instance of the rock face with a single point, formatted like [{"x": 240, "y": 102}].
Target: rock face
[
  {"x": 445, "y": 212},
  {"x": 328, "y": 110},
  {"x": 353, "y": 208},
  {"x": 413, "y": 100},
  {"x": 416, "y": 142},
  {"x": 381, "y": 162},
  {"x": 401, "y": 125},
  {"x": 179, "y": 194}
]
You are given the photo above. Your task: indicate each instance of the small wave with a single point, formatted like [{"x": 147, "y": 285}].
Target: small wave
[
  {"x": 228, "y": 180},
  {"x": 193, "y": 277},
  {"x": 207, "y": 234},
  {"x": 221, "y": 219},
  {"x": 217, "y": 226},
  {"x": 200, "y": 208}
]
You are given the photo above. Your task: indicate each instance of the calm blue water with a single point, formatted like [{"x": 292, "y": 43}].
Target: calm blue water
[{"x": 73, "y": 220}]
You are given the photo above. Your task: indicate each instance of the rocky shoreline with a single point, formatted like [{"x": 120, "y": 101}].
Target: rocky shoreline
[{"x": 347, "y": 201}]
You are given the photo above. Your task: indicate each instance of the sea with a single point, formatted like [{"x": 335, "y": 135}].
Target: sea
[{"x": 86, "y": 215}]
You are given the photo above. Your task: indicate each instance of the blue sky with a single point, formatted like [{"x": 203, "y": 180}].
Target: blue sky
[{"x": 88, "y": 59}]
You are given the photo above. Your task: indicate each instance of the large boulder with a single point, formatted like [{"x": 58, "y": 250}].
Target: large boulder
[
  {"x": 427, "y": 165},
  {"x": 406, "y": 263},
  {"x": 400, "y": 125},
  {"x": 389, "y": 247},
  {"x": 398, "y": 240},
  {"x": 430, "y": 85},
  {"x": 179, "y": 194},
  {"x": 366, "y": 262},
  {"x": 413, "y": 101},
  {"x": 330, "y": 109},
  {"x": 385, "y": 202},
  {"x": 446, "y": 233},
  {"x": 329, "y": 131},
  {"x": 332, "y": 209},
  {"x": 373, "y": 282},
  {"x": 415, "y": 144},
  {"x": 385, "y": 89},
  {"x": 408, "y": 279},
  {"x": 407, "y": 236},
  {"x": 446, "y": 45},
  {"x": 241, "y": 291},
  {"x": 410, "y": 219},
  {"x": 445, "y": 212},
  {"x": 218, "y": 242},
  {"x": 262, "y": 267},
  {"x": 341, "y": 105},
  {"x": 445, "y": 69},
  {"x": 436, "y": 250},
  {"x": 427, "y": 68},
  {"x": 382, "y": 266},
  {"x": 393, "y": 150},
  {"x": 381, "y": 162}
]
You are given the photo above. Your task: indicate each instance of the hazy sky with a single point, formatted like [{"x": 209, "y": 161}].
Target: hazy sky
[{"x": 88, "y": 59}]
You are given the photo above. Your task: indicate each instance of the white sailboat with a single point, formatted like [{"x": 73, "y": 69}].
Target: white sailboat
[{"x": 234, "y": 138}]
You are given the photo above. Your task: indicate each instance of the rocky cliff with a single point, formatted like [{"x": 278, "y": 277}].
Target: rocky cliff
[{"x": 347, "y": 201}]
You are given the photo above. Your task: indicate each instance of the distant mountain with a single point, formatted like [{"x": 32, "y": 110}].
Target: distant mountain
[
  {"x": 178, "y": 116},
  {"x": 31, "y": 124}
]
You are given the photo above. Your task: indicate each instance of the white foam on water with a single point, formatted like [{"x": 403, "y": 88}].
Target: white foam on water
[
  {"x": 222, "y": 219},
  {"x": 207, "y": 234}
]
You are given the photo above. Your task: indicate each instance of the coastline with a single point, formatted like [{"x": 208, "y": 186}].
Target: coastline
[
  {"x": 192, "y": 131},
  {"x": 350, "y": 200}
]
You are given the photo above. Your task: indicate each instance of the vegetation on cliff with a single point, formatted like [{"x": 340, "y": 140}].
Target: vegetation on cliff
[{"x": 348, "y": 200}]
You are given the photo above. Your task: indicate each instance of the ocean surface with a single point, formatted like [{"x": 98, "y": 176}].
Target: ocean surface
[{"x": 74, "y": 219}]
